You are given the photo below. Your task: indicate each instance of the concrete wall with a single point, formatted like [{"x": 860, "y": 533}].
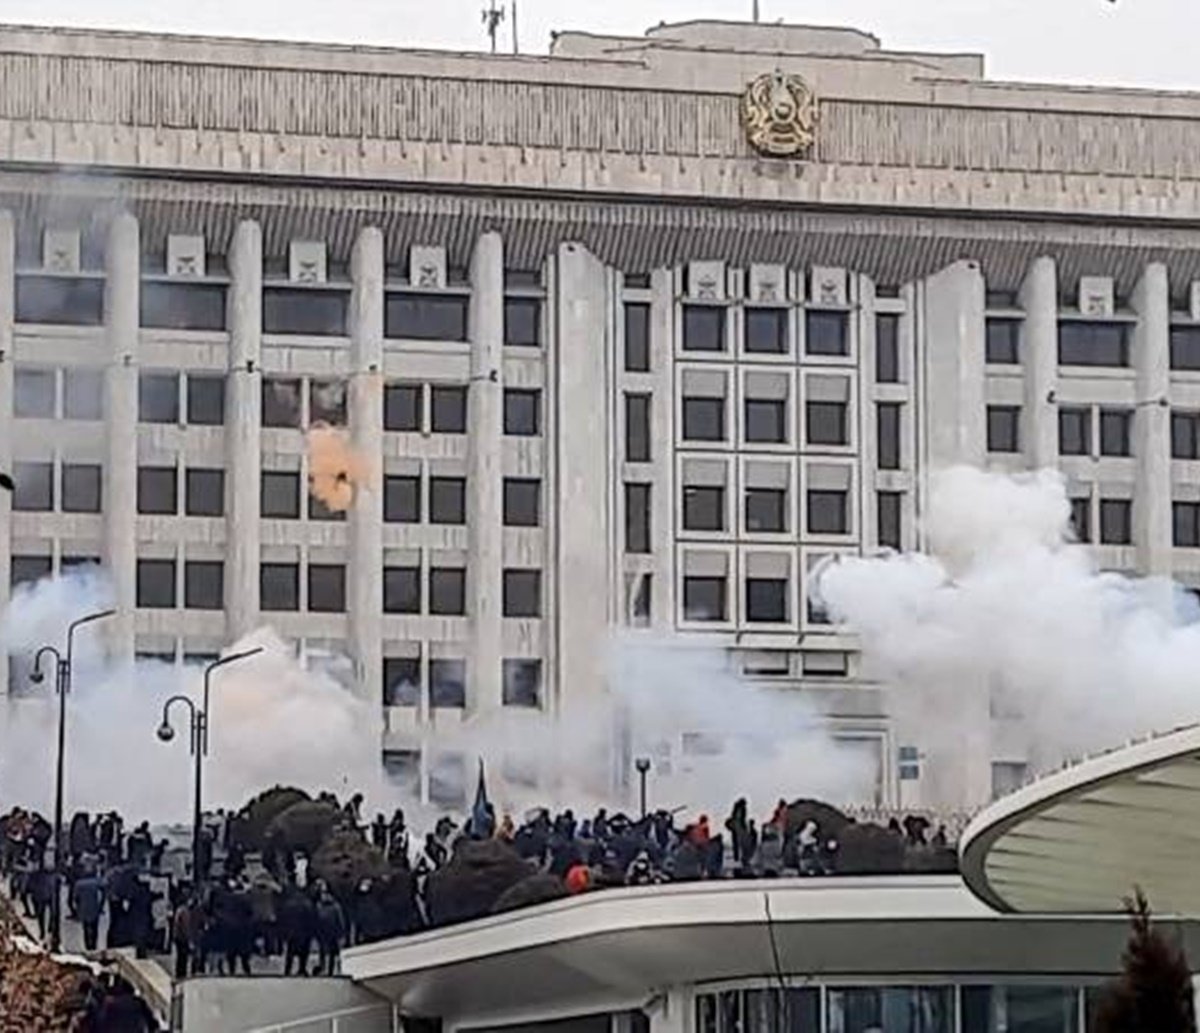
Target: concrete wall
[{"x": 267, "y": 1003}]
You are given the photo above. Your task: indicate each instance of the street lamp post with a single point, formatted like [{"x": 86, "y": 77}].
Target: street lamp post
[
  {"x": 62, "y": 685},
  {"x": 198, "y": 722},
  {"x": 643, "y": 769}
]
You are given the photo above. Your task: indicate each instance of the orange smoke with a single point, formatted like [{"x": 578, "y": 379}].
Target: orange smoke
[{"x": 335, "y": 470}]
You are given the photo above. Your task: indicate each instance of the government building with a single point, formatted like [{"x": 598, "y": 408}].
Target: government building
[{"x": 634, "y": 335}]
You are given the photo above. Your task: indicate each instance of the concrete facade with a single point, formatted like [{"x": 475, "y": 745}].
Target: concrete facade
[{"x": 565, "y": 287}]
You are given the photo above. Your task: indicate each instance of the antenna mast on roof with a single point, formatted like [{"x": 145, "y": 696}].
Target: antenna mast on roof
[
  {"x": 755, "y": 10},
  {"x": 516, "y": 46},
  {"x": 492, "y": 17}
]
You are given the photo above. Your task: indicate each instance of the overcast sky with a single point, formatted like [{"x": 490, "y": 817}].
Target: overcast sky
[{"x": 1129, "y": 42}]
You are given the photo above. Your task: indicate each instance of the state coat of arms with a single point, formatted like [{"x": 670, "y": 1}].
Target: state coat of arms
[{"x": 779, "y": 114}]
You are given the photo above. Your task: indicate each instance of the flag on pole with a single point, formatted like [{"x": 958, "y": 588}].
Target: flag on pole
[{"x": 481, "y": 813}]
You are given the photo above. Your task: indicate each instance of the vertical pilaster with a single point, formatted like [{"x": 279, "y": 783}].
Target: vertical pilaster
[
  {"x": 485, "y": 541},
  {"x": 7, "y": 293},
  {"x": 121, "y": 292},
  {"x": 243, "y": 431},
  {"x": 662, "y": 449},
  {"x": 1152, "y": 422},
  {"x": 366, "y": 428},
  {"x": 1038, "y": 344}
]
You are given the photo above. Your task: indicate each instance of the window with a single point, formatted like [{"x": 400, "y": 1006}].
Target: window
[
  {"x": 825, "y": 333},
  {"x": 766, "y": 420},
  {"x": 522, "y": 683},
  {"x": 34, "y": 492},
  {"x": 704, "y": 419},
  {"x": 28, "y": 569},
  {"x": 1185, "y": 347},
  {"x": 824, "y": 663},
  {"x": 402, "y": 407},
  {"x": 704, "y": 598},
  {"x": 703, "y": 508},
  {"x": 69, "y": 563},
  {"x": 637, "y": 428},
  {"x": 80, "y": 488},
  {"x": 1003, "y": 428},
  {"x": 887, "y": 513},
  {"x": 402, "y": 499},
  {"x": 1185, "y": 435},
  {"x": 158, "y": 488},
  {"x": 401, "y": 589},
  {"x": 522, "y": 593},
  {"x": 60, "y": 300},
  {"x": 1116, "y": 521},
  {"x": 448, "y": 409},
  {"x": 887, "y": 435},
  {"x": 1026, "y": 1009},
  {"x": 1091, "y": 343},
  {"x": 319, "y": 510},
  {"x": 279, "y": 586},
  {"x": 1114, "y": 432},
  {"x": 642, "y": 598},
  {"x": 522, "y": 412},
  {"x": 767, "y": 331},
  {"x": 703, "y": 328},
  {"x": 280, "y": 402},
  {"x": 766, "y": 600},
  {"x": 280, "y": 495},
  {"x": 887, "y": 348},
  {"x": 205, "y": 400},
  {"x": 426, "y": 317},
  {"x": 156, "y": 584},
  {"x": 447, "y": 683},
  {"x": 182, "y": 306},
  {"x": 204, "y": 494},
  {"x": 204, "y": 585},
  {"x": 766, "y": 510},
  {"x": 637, "y": 337},
  {"x": 523, "y": 322},
  {"x": 827, "y": 512},
  {"x": 401, "y": 681},
  {"x": 1002, "y": 347},
  {"x": 909, "y": 758},
  {"x": 83, "y": 394},
  {"x": 919, "y": 1009},
  {"x": 447, "y": 500},
  {"x": 1081, "y": 519},
  {"x": 522, "y": 502},
  {"x": 825, "y": 423},
  {"x": 310, "y": 311},
  {"x": 1075, "y": 431},
  {"x": 637, "y": 518},
  {"x": 766, "y": 1010},
  {"x": 33, "y": 394},
  {"x": 158, "y": 398},
  {"x": 327, "y": 402},
  {"x": 326, "y": 588},
  {"x": 448, "y": 591},
  {"x": 1185, "y": 518}
]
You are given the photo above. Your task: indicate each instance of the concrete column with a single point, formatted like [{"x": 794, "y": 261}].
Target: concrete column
[
  {"x": 1039, "y": 358},
  {"x": 365, "y": 603},
  {"x": 485, "y": 530},
  {"x": 7, "y": 292},
  {"x": 662, "y": 449},
  {"x": 243, "y": 432},
  {"x": 1152, "y": 421},
  {"x": 121, "y": 291}
]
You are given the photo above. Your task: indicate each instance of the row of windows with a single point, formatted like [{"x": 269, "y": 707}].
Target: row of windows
[
  {"x": 766, "y": 600},
  {"x": 1090, "y": 343},
  {"x": 826, "y": 332},
  {"x": 521, "y": 681},
  {"x": 1077, "y": 426},
  {"x": 765, "y": 510}
]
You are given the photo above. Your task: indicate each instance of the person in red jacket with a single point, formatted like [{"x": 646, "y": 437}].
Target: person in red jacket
[
  {"x": 699, "y": 834},
  {"x": 578, "y": 878}
]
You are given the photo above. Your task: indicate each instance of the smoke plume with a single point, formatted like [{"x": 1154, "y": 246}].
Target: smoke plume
[{"x": 335, "y": 470}]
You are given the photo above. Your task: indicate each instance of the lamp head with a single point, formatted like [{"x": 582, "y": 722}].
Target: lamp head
[
  {"x": 36, "y": 676},
  {"x": 642, "y": 764},
  {"x": 165, "y": 732}
]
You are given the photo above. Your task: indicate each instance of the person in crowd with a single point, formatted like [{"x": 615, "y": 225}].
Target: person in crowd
[
  {"x": 297, "y": 929},
  {"x": 379, "y": 833},
  {"x": 737, "y": 824},
  {"x": 331, "y": 929},
  {"x": 87, "y": 897},
  {"x": 182, "y": 935},
  {"x": 43, "y": 885}
]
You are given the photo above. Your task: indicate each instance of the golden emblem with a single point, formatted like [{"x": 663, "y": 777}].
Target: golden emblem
[{"x": 779, "y": 114}]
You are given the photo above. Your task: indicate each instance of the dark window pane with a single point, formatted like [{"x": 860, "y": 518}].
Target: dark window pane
[
  {"x": 703, "y": 328},
  {"x": 704, "y": 419},
  {"x": 825, "y": 333},
  {"x": 1075, "y": 431},
  {"x": 83, "y": 394},
  {"x": 637, "y": 518},
  {"x": 704, "y": 598},
  {"x": 156, "y": 584},
  {"x": 1185, "y": 519},
  {"x": 205, "y": 493},
  {"x": 1003, "y": 346},
  {"x": 637, "y": 337},
  {"x": 1185, "y": 435},
  {"x": 28, "y": 569},
  {"x": 34, "y": 492},
  {"x": 766, "y": 600},
  {"x": 205, "y": 399},
  {"x": 1089, "y": 343},
  {"x": 887, "y": 511},
  {"x": 637, "y": 428},
  {"x": 402, "y": 407},
  {"x": 522, "y": 593},
  {"x": 1115, "y": 432},
  {"x": 1116, "y": 521},
  {"x": 522, "y": 683},
  {"x": 447, "y": 500},
  {"x": 825, "y": 423},
  {"x": 326, "y": 588},
  {"x": 642, "y": 599},
  {"x": 766, "y": 420},
  {"x": 522, "y": 412},
  {"x": 158, "y": 398},
  {"x": 523, "y": 321},
  {"x": 281, "y": 495},
  {"x": 318, "y": 510},
  {"x": 767, "y": 330},
  {"x": 62, "y": 300},
  {"x": 1185, "y": 347},
  {"x": 309, "y": 311},
  {"x": 280, "y": 402},
  {"x": 522, "y": 502},
  {"x": 182, "y": 306},
  {"x": 69, "y": 563},
  {"x": 204, "y": 585},
  {"x": 887, "y": 348},
  {"x": 33, "y": 394},
  {"x": 426, "y": 317},
  {"x": 827, "y": 512},
  {"x": 1003, "y": 428},
  {"x": 448, "y": 591},
  {"x": 279, "y": 586},
  {"x": 402, "y": 500},
  {"x": 448, "y": 683},
  {"x": 766, "y": 510},
  {"x": 158, "y": 488},
  {"x": 401, "y": 681},
  {"x": 1081, "y": 519},
  {"x": 887, "y": 432},
  {"x": 703, "y": 508},
  {"x": 401, "y": 589},
  {"x": 327, "y": 402},
  {"x": 80, "y": 488},
  {"x": 448, "y": 409}
]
